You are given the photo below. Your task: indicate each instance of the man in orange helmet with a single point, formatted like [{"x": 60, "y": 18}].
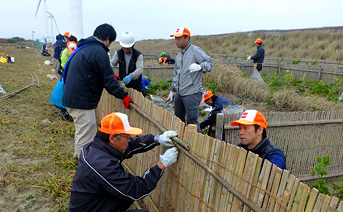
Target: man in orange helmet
[
  {"x": 259, "y": 56},
  {"x": 217, "y": 103}
]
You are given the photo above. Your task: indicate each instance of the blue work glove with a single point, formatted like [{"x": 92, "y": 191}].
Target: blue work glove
[
  {"x": 126, "y": 79},
  {"x": 169, "y": 157},
  {"x": 165, "y": 140}
]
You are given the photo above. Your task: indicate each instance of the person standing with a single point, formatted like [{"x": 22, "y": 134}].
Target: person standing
[
  {"x": 253, "y": 134},
  {"x": 59, "y": 46},
  {"x": 130, "y": 62},
  {"x": 57, "y": 93},
  {"x": 101, "y": 182},
  {"x": 217, "y": 103},
  {"x": 86, "y": 73},
  {"x": 259, "y": 55},
  {"x": 190, "y": 64}
]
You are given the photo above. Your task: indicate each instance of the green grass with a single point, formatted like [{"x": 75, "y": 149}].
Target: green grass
[{"x": 41, "y": 158}]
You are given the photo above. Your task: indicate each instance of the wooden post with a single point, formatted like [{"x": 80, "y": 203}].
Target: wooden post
[
  {"x": 219, "y": 126},
  {"x": 149, "y": 66},
  {"x": 242, "y": 66},
  {"x": 320, "y": 73}
]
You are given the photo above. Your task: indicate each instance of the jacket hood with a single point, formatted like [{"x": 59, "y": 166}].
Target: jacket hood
[
  {"x": 59, "y": 37},
  {"x": 91, "y": 39}
]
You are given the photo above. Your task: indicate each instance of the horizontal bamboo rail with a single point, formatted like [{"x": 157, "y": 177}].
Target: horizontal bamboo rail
[{"x": 184, "y": 147}]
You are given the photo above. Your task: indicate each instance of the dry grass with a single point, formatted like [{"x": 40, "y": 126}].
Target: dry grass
[{"x": 310, "y": 44}]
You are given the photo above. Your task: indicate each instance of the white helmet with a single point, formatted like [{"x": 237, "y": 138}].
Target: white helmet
[{"x": 127, "y": 40}]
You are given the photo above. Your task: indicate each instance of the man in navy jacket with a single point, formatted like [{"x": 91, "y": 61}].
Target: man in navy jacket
[
  {"x": 101, "y": 183},
  {"x": 86, "y": 73},
  {"x": 259, "y": 55},
  {"x": 253, "y": 134},
  {"x": 217, "y": 104}
]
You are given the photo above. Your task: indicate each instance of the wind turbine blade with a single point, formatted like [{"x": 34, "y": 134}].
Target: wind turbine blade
[{"x": 38, "y": 7}]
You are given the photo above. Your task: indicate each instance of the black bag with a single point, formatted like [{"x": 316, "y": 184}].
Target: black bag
[{"x": 259, "y": 66}]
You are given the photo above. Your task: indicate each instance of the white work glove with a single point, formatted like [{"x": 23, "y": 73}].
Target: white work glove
[
  {"x": 170, "y": 97},
  {"x": 194, "y": 67},
  {"x": 249, "y": 57},
  {"x": 169, "y": 157},
  {"x": 165, "y": 140}
]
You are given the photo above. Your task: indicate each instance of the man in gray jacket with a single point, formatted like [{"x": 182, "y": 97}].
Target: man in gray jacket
[{"x": 190, "y": 64}]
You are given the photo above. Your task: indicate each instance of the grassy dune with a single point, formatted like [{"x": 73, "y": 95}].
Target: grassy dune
[{"x": 310, "y": 44}]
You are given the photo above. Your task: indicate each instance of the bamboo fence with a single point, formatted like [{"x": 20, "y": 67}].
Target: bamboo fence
[
  {"x": 212, "y": 175},
  {"x": 302, "y": 136}
]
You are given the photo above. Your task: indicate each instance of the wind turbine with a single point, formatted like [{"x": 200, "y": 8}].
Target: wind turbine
[
  {"x": 75, "y": 14},
  {"x": 76, "y": 19},
  {"x": 45, "y": 16}
]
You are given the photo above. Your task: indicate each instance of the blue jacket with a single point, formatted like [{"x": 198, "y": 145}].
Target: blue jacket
[
  {"x": 259, "y": 56},
  {"x": 268, "y": 150},
  {"x": 59, "y": 46},
  {"x": 102, "y": 184},
  {"x": 87, "y": 73},
  {"x": 217, "y": 107}
]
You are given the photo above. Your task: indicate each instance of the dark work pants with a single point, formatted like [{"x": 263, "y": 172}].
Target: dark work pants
[{"x": 187, "y": 108}]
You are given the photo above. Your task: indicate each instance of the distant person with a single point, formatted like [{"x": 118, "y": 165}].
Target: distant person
[
  {"x": 130, "y": 62},
  {"x": 66, "y": 36},
  {"x": 57, "y": 93},
  {"x": 71, "y": 46},
  {"x": 101, "y": 182},
  {"x": 259, "y": 56},
  {"x": 86, "y": 74},
  {"x": 59, "y": 46},
  {"x": 165, "y": 59},
  {"x": 217, "y": 103},
  {"x": 253, "y": 134},
  {"x": 44, "y": 51},
  {"x": 190, "y": 65}
]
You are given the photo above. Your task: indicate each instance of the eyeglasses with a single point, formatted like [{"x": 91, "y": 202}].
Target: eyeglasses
[{"x": 125, "y": 136}]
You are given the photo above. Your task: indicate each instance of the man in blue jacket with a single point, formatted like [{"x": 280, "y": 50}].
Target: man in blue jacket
[
  {"x": 259, "y": 55},
  {"x": 101, "y": 183},
  {"x": 253, "y": 134},
  {"x": 217, "y": 103},
  {"x": 86, "y": 73}
]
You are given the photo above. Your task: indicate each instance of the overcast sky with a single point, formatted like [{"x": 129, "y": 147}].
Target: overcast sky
[{"x": 150, "y": 19}]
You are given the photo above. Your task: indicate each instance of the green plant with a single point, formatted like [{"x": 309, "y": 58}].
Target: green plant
[
  {"x": 295, "y": 62},
  {"x": 338, "y": 188},
  {"x": 319, "y": 170},
  {"x": 157, "y": 86},
  {"x": 225, "y": 56},
  {"x": 202, "y": 113},
  {"x": 212, "y": 85},
  {"x": 314, "y": 63},
  {"x": 279, "y": 61},
  {"x": 30, "y": 197}
]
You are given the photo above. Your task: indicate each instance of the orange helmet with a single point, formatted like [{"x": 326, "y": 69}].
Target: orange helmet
[
  {"x": 259, "y": 41},
  {"x": 208, "y": 95},
  {"x": 66, "y": 34}
]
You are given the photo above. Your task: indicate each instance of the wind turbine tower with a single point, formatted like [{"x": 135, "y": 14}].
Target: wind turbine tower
[
  {"x": 76, "y": 19},
  {"x": 45, "y": 16}
]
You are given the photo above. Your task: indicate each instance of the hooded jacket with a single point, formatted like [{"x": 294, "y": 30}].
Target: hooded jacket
[
  {"x": 102, "y": 184},
  {"x": 87, "y": 73},
  {"x": 59, "y": 46},
  {"x": 184, "y": 82}
]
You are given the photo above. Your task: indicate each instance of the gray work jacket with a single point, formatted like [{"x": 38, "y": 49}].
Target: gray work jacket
[{"x": 187, "y": 83}]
